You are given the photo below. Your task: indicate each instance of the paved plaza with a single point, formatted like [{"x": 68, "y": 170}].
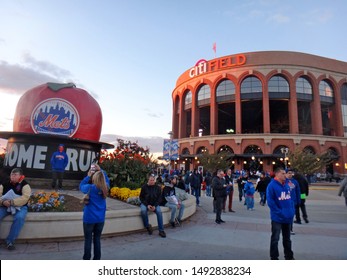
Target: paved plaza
[{"x": 244, "y": 236}]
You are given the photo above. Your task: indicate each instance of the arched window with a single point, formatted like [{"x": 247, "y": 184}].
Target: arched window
[
  {"x": 185, "y": 151},
  {"x": 327, "y": 107},
  {"x": 188, "y": 100},
  {"x": 303, "y": 89},
  {"x": 253, "y": 149},
  {"x": 201, "y": 150},
  {"x": 304, "y": 95},
  {"x": 344, "y": 108},
  {"x": 278, "y": 87},
  {"x": 309, "y": 149},
  {"x": 251, "y": 88},
  {"x": 204, "y": 95},
  {"x": 225, "y": 149},
  {"x": 225, "y": 91},
  {"x": 325, "y": 89},
  {"x": 251, "y": 107}
]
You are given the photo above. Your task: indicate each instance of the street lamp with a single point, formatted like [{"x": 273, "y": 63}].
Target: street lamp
[
  {"x": 285, "y": 151},
  {"x": 170, "y": 148}
]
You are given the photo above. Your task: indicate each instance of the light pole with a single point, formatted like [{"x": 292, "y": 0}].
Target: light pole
[
  {"x": 170, "y": 148},
  {"x": 285, "y": 151}
]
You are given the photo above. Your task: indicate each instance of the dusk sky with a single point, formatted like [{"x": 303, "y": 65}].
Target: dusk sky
[{"x": 129, "y": 54}]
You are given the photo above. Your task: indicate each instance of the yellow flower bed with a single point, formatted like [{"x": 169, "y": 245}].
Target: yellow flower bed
[
  {"x": 42, "y": 201},
  {"x": 124, "y": 193}
]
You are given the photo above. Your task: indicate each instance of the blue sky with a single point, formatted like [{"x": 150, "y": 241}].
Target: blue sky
[{"x": 129, "y": 54}]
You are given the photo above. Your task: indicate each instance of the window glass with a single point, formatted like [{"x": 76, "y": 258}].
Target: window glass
[
  {"x": 325, "y": 89},
  {"x": 278, "y": 84},
  {"x": 204, "y": 93},
  {"x": 251, "y": 85},
  {"x": 225, "y": 88},
  {"x": 303, "y": 86},
  {"x": 188, "y": 99}
]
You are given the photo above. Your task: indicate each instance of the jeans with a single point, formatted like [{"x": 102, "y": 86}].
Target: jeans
[
  {"x": 196, "y": 193},
  {"x": 262, "y": 198},
  {"x": 92, "y": 232},
  {"x": 17, "y": 224},
  {"x": 144, "y": 215},
  {"x": 276, "y": 229},
  {"x": 173, "y": 208},
  {"x": 249, "y": 202},
  {"x": 208, "y": 190},
  {"x": 57, "y": 176},
  {"x": 240, "y": 192}
]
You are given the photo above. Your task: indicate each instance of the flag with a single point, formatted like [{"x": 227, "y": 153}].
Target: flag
[{"x": 214, "y": 48}]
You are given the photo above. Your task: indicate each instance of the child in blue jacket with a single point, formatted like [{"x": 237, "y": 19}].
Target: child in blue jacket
[{"x": 249, "y": 194}]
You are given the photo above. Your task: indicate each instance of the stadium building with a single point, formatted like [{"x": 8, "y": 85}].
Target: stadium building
[{"x": 259, "y": 106}]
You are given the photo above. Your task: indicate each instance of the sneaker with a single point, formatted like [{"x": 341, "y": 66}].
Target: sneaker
[
  {"x": 222, "y": 221},
  {"x": 231, "y": 210},
  {"x": 162, "y": 233},
  {"x": 218, "y": 222},
  {"x": 172, "y": 224},
  {"x": 150, "y": 229},
  {"x": 306, "y": 220},
  {"x": 292, "y": 232},
  {"x": 297, "y": 222},
  {"x": 10, "y": 246}
]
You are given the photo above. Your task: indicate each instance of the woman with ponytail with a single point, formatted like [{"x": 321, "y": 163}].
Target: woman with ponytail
[{"x": 94, "y": 212}]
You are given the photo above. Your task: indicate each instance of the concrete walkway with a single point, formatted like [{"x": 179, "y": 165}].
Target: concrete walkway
[{"x": 244, "y": 236}]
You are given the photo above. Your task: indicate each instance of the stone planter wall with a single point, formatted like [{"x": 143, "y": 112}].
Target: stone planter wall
[{"x": 69, "y": 226}]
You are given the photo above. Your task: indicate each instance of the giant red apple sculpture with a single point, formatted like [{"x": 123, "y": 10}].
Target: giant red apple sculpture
[{"x": 59, "y": 109}]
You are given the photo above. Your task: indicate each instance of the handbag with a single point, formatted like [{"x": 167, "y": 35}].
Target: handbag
[{"x": 85, "y": 198}]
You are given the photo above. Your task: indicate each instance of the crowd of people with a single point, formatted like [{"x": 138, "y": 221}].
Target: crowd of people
[{"x": 284, "y": 192}]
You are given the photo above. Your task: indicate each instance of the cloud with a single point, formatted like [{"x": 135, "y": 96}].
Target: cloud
[
  {"x": 155, "y": 144},
  {"x": 279, "y": 18},
  {"x": 318, "y": 16},
  {"x": 152, "y": 114},
  {"x": 45, "y": 67},
  {"x": 18, "y": 78}
]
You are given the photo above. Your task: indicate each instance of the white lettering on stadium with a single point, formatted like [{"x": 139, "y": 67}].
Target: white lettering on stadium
[{"x": 35, "y": 156}]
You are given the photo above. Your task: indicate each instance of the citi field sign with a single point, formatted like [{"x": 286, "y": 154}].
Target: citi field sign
[{"x": 203, "y": 66}]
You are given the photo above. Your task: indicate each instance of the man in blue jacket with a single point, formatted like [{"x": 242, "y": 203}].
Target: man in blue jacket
[
  {"x": 282, "y": 214},
  {"x": 59, "y": 161},
  {"x": 294, "y": 192}
]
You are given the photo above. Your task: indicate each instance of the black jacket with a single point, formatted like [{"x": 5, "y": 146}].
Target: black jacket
[
  {"x": 302, "y": 183},
  {"x": 218, "y": 187},
  {"x": 167, "y": 191},
  {"x": 150, "y": 195},
  {"x": 262, "y": 184}
]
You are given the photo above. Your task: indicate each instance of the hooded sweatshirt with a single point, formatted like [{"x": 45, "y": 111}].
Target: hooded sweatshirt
[
  {"x": 280, "y": 202},
  {"x": 59, "y": 160}
]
